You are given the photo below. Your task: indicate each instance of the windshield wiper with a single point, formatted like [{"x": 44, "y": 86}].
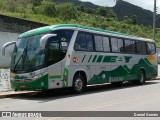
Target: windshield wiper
[
  {"x": 22, "y": 56},
  {"x": 18, "y": 62},
  {"x": 25, "y": 57}
]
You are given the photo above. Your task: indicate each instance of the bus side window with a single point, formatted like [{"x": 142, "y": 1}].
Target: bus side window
[
  {"x": 98, "y": 43},
  {"x": 130, "y": 46},
  {"x": 141, "y": 47},
  {"x": 120, "y": 46},
  {"x": 151, "y": 49},
  {"x": 114, "y": 44},
  {"x": 117, "y": 45},
  {"x": 106, "y": 45},
  {"x": 80, "y": 43},
  {"x": 89, "y": 39}
]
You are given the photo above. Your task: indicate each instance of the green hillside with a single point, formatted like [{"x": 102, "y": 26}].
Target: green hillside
[
  {"x": 121, "y": 9},
  {"x": 48, "y": 12}
]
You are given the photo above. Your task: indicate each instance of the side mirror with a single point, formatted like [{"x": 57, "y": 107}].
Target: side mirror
[
  {"x": 44, "y": 39},
  {"x": 6, "y": 45}
]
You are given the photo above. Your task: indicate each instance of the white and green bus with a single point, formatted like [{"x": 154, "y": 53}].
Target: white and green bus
[{"x": 68, "y": 55}]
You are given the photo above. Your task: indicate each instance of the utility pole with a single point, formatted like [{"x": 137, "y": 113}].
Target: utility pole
[{"x": 154, "y": 19}]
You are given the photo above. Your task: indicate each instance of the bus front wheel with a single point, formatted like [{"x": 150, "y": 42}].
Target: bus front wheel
[{"x": 78, "y": 84}]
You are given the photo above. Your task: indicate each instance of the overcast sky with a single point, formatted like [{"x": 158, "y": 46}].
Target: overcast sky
[{"x": 146, "y": 4}]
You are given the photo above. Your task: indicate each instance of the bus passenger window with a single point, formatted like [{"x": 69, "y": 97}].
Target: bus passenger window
[
  {"x": 117, "y": 45},
  {"x": 120, "y": 46},
  {"x": 114, "y": 44},
  {"x": 89, "y": 40},
  {"x": 106, "y": 45},
  {"x": 141, "y": 47},
  {"x": 98, "y": 43},
  {"x": 130, "y": 46}
]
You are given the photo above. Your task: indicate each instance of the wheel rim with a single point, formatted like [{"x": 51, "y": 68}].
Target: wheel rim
[{"x": 78, "y": 84}]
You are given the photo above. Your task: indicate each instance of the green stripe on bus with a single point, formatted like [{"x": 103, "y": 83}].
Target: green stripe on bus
[
  {"x": 109, "y": 59},
  {"x": 83, "y": 58},
  {"x": 90, "y": 58},
  {"x": 127, "y": 58},
  {"x": 100, "y": 58},
  {"x": 52, "y": 77},
  {"x": 126, "y": 68},
  {"x": 94, "y": 59}
]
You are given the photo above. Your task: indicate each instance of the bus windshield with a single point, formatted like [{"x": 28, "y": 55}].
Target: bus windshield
[{"x": 29, "y": 56}]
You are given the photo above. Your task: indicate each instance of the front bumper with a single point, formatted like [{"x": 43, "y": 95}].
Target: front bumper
[{"x": 37, "y": 84}]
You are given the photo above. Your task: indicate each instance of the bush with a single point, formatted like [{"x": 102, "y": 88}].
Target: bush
[
  {"x": 66, "y": 11},
  {"x": 103, "y": 25},
  {"x": 49, "y": 9}
]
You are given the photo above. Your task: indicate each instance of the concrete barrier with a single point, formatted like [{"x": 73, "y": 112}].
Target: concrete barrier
[{"x": 5, "y": 84}]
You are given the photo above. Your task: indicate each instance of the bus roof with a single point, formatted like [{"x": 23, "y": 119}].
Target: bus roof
[{"x": 43, "y": 30}]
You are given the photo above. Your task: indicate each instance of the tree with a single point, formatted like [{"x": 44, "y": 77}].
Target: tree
[
  {"x": 90, "y": 11},
  {"x": 134, "y": 19},
  {"x": 111, "y": 14},
  {"x": 81, "y": 8},
  {"x": 36, "y": 2},
  {"x": 127, "y": 20},
  {"x": 102, "y": 11},
  {"x": 66, "y": 11},
  {"x": 49, "y": 9}
]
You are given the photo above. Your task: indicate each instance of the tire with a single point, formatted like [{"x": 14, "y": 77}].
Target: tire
[
  {"x": 79, "y": 84},
  {"x": 141, "y": 77}
]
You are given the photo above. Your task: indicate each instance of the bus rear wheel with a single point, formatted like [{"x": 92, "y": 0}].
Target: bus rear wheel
[
  {"x": 78, "y": 84},
  {"x": 141, "y": 78}
]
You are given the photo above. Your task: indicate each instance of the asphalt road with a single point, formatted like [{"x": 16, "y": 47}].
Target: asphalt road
[{"x": 127, "y": 97}]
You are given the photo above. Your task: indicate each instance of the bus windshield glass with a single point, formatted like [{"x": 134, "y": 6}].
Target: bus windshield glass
[{"x": 29, "y": 56}]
